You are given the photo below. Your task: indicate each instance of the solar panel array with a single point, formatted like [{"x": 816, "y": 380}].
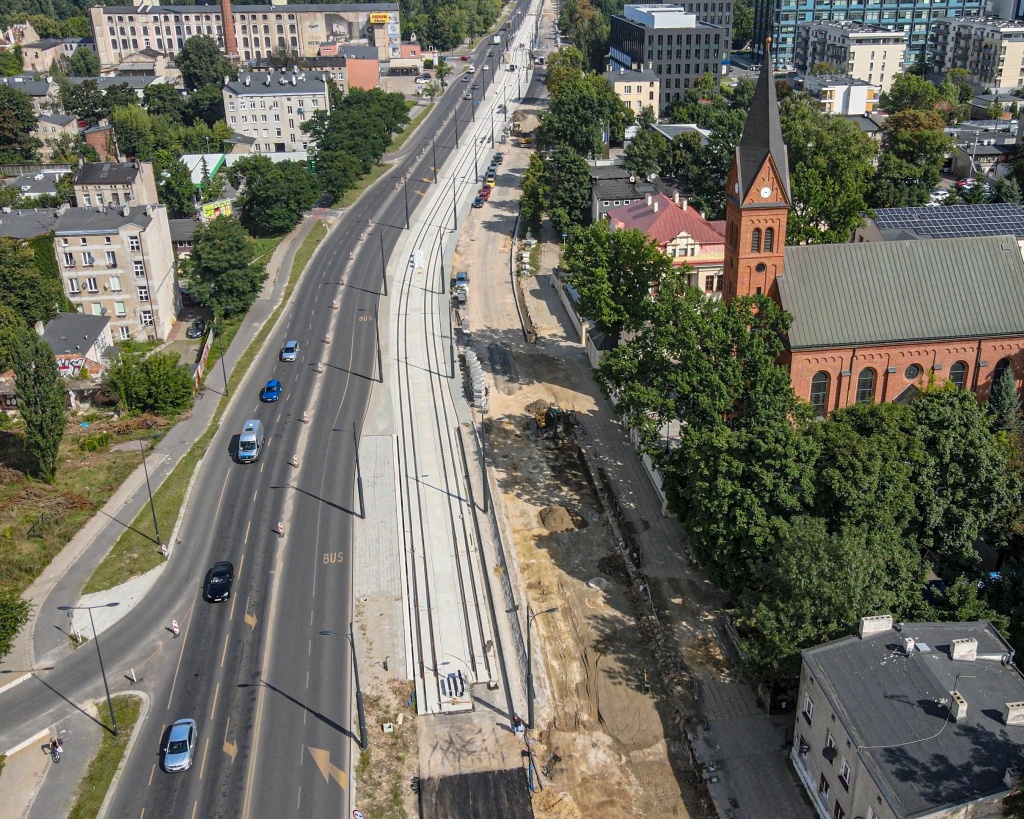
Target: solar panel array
[{"x": 954, "y": 221}]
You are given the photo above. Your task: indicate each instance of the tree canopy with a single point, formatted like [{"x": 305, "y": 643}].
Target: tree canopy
[
  {"x": 274, "y": 195},
  {"x": 201, "y": 63},
  {"x": 41, "y": 402},
  {"x": 221, "y": 274}
]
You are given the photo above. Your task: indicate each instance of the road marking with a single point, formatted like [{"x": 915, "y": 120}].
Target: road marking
[
  {"x": 181, "y": 653},
  {"x": 195, "y": 806},
  {"x": 256, "y": 491},
  {"x": 230, "y": 749},
  {"x": 298, "y": 798},
  {"x": 220, "y": 500},
  {"x": 248, "y": 526},
  {"x": 322, "y": 758},
  {"x": 216, "y": 693},
  {"x": 141, "y": 815},
  {"x": 152, "y": 771},
  {"x": 309, "y": 651},
  {"x": 307, "y": 679},
  {"x": 202, "y": 767},
  {"x": 250, "y": 620}
]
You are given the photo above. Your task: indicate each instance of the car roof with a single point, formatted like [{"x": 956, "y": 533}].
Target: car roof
[
  {"x": 291, "y": 344},
  {"x": 180, "y": 728},
  {"x": 220, "y": 563},
  {"x": 273, "y": 382}
]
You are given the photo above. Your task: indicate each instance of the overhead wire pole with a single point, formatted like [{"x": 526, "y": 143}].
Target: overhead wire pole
[
  {"x": 455, "y": 211},
  {"x": 433, "y": 151},
  {"x": 383, "y": 262},
  {"x": 405, "y": 187}
]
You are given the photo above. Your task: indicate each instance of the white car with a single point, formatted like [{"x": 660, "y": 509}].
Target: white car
[{"x": 472, "y": 69}]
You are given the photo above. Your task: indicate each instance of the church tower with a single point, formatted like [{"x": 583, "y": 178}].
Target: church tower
[{"x": 757, "y": 197}]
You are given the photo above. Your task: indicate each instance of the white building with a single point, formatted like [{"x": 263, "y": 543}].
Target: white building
[
  {"x": 842, "y": 95},
  {"x": 272, "y": 107},
  {"x": 865, "y": 52},
  {"x": 989, "y": 48}
]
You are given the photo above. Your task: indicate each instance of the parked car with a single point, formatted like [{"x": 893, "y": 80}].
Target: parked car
[
  {"x": 478, "y": 202},
  {"x": 290, "y": 351},
  {"x": 462, "y": 278},
  {"x": 218, "y": 581},
  {"x": 490, "y": 181},
  {"x": 484, "y": 192},
  {"x": 499, "y": 158},
  {"x": 464, "y": 58},
  {"x": 196, "y": 329},
  {"x": 181, "y": 746},
  {"x": 271, "y": 392}
]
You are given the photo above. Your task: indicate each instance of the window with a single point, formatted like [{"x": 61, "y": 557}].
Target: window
[
  {"x": 139, "y": 269},
  {"x": 866, "y": 386},
  {"x": 125, "y": 332},
  {"x": 97, "y": 309},
  {"x": 86, "y": 200},
  {"x": 769, "y": 240},
  {"x": 111, "y": 258},
  {"x": 844, "y": 774},
  {"x": 143, "y": 293},
  {"x": 147, "y": 318},
  {"x": 64, "y": 242},
  {"x": 819, "y": 395},
  {"x": 106, "y": 239},
  {"x": 958, "y": 374},
  {"x": 808, "y": 711},
  {"x": 99, "y": 198},
  {"x": 913, "y": 371},
  {"x": 755, "y": 241},
  {"x": 838, "y": 812},
  {"x": 69, "y": 260},
  {"x": 73, "y": 286},
  {"x": 1001, "y": 367},
  {"x": 115, "y": 283},
  {"x": 709, "y": 284},
  {"x": 119, "y": 309},
  {"x": 90, "y": 285},
  {"x": 133, "y": 243},
  {"x": 823, "y": 787},
  {"x": 88, "y": 260}
]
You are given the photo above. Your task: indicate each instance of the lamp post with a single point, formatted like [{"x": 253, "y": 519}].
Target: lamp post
[
  {"x": 152, "y": 508},
  {"x": 383, "y": 263},
  {"x": 455, "y": 212},
  {"x": 405, "y": 188},
  {"x": 219, "y": 331},
  {"x": 433, "y": 152},
  {"x": 530, "y": 617},
  {"x": 96, "y": 639},
  {"x": 363, "y": 739}
]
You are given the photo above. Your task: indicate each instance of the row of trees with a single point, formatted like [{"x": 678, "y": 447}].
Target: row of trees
[
  {"x": 444, "y": 24},
  {"x": 809, "y": 524}
]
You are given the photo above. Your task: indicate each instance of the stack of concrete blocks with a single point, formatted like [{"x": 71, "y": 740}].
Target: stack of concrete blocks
[{"x": 475, "y": 373}]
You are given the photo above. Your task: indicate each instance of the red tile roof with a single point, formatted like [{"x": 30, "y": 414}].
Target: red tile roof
[{"x": 663, "y": 220}]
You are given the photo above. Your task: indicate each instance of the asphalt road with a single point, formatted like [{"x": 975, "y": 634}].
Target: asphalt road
[{"x": 254, "y": 672}]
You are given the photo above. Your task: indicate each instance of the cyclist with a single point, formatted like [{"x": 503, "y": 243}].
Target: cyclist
[{"x": 56, "y": 747}]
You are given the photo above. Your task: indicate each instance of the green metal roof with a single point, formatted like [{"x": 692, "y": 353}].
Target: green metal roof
[{"x": 903, "y": 291}]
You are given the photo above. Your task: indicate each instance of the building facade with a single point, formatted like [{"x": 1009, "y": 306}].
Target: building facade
[
  {"x": 671, "y": 42},
  {"x": 271, "y": 107},
  {"x": 51, "y": 127},
  {"x": 845, "y": 96},
  {"x": 100, "y": 184},
  {"x": 39, "y": 56},
  {"x": 779, "y": 20},
  {"x": 989, "y": 48},
  {"x": 43, "y": 91},
  {"x": 259, "y": 31},
  {"x": 872, "y": 54},
  {"x": 119, "y": 263},
  {"x": 893, "y": 723},
  {"x": 79, "y": 342},
  {"x": 638, "y": 88}
]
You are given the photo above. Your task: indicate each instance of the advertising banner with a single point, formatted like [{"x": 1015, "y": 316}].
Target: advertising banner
[
  {"x": 221, "y": 207},
  {"x": 380, "y": 18}
]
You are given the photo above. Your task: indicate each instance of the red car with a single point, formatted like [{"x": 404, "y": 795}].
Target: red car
[
  {"x": 464, "y": 58},
  {"x": 485, "y": 192}
]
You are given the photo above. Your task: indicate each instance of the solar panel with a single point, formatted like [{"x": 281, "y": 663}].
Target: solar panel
[{"x": 954, "y": 221}]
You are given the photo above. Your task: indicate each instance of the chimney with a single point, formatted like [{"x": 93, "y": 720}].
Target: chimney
[
  {"x": 655, "y": 206},
  {"x": 293, "y": 79},
  {"x": 269, "y": 77},
  {"x": 675, "y": 197},
  {"x": 686, "y": 205},
  {"x": 649, "y": 200},
  {"x": 227, "y": 24},
  {"x": 958, "y": 705},
  {"x": 38, "y": 327},
  {"x": 1014, "y": 713},
  {"x": 125, "y": 210},
  {"x": 247, "y": 80},
  {"x": 965, "y": 648},
  {"x": 874, "y": 625}
]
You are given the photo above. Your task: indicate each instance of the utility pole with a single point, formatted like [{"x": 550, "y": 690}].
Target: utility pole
[
  {"x": 405, "y": 187},
  {"x": 455, "y": 212},
  {"x": 433, "y": 151}
]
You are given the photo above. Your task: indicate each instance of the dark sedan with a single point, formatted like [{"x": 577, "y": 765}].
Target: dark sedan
[
  {"x": 219, "y": 580},
  {"x": 196, "y": 329}
]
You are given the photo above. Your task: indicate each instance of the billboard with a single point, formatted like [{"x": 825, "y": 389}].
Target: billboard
[
  {"x": 380, "y": 18},
  {"x": 211, "y": 210}
]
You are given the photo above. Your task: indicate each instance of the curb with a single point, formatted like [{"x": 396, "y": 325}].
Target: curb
[
  {"x": 112, "y": 788},
  {"x": 21, "y": 746}
]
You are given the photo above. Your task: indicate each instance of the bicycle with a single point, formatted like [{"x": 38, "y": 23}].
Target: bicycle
[{"x": 56, "y": 748}]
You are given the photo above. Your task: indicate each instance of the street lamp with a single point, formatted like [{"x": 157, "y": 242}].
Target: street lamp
[
  {"x": 363, "y": 739},
  {"x": 96, "y": 639},
  {"x": 530, "y": 617}
]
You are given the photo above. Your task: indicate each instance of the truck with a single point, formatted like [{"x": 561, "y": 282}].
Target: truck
[
  {"x": 250, "y": 442},
  {"x": 497, "y": 39}
]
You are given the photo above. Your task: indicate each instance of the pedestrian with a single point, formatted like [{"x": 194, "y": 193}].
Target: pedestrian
[{"x": 517, "y": 724}]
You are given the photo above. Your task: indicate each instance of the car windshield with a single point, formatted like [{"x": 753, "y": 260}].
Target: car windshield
[
  {"x": 177, "y": 746},
  {"x": 247, "y": 446},
  {"x": 217, "y": 579}
]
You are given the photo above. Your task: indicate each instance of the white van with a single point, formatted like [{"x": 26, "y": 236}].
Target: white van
[{"x": 250, "y": 442}]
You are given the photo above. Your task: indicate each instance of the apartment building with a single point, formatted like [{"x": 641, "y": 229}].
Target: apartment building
[
  {"x": 846, "y": 96},
  {"x": 39, "y": 56},
  {"x": 119, "y": 263},
  {"x": 638, "y": 88},
  {"x": 259, "y": 30},
  {"x": 671, "y": 42},
  {"x": 50, "y": 128},
  {"x": 989, "y": 48},
  {"x": 43, "y": 91},
  {"x": 781, "y": 18},
  {"x": 870, "y": 53},
  {"x": 271, "y": 107},
  {"x": 98, "y": 184},
  {"x": 909, "y": 720}
]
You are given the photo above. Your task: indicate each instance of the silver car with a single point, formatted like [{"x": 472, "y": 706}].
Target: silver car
[
  {"x": 181, "y": 746},
  {"x": 290, "y": 351}
]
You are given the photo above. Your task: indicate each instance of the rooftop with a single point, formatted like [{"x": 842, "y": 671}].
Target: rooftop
[
  {"x": 663, "y": 220},
  {"x": 663, "y": 16},
  {"x": 36, "y": 184},
  {"x": 75, "y": 221},
  {"x": 277, "y": 82},
  {"x": 670, "y": 132},
  {"x": 853, "y": 27},
  {"x": 182, "y": 230},
  {"x": 29, "y": 84},
  {"x": 106, "y": 173},
  {"x": 995, "y": 22},
  {"x": 619, "y": 188},
  {"x": 73, "y": 332},
  {"x": 358, "y": 52},
  {"x": 103, "y": 83},
  {"x": 950, "y": 221},
  {"x": 266, "y": 8},
  {"x": 27, "y": 223},
  {"x": 896, "y": 708},
  {"x": 899, "y": 291},
  {"x": 55, "y": 119},
  {"x": 634, "y": 74}
]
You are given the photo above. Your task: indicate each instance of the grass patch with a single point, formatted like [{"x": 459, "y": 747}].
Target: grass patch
[
  {"x": 135, "y": 552},
  {"x": 353, "y": 194},
  {"x": 93, "y": 789},
  {"x": 409, "y": 129},
  {"x": 535, "y": 259},
  {"x": 384, "y": 769},
  {"x": 264, "y": 247}
]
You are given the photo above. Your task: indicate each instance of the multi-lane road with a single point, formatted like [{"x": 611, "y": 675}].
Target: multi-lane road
[{"x": 271, "y": 696}]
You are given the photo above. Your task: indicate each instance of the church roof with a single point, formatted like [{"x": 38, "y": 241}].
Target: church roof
[
  {"x": 903, "y": 291},
  {"x": 762, "y": 134}
]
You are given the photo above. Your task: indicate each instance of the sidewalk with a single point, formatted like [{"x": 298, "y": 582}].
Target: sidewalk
[{"x": 67, "y": 574}]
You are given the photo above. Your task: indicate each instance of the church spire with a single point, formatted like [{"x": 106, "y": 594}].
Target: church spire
[{"x": 762, "y": 135}]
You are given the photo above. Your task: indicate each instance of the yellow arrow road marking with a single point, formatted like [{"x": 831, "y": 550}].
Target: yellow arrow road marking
[{"x": 322, "y": 758}]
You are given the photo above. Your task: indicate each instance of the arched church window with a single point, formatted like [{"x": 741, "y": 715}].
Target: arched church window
[
  {"x": 1001, "y": 367},
  {"x": 769, "y": 240},
  {"x": 866, "y": 386},
  {"x": 819, "y": 392},
  {"x": 755, "y": 241},
  {"x": 958, "y": 374}
]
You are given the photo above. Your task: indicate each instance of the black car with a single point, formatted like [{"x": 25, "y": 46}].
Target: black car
[
  {"x": 218, "y": 581},
  {"x": 196, "y": 329},
  {"x": 478, "y": 202}
]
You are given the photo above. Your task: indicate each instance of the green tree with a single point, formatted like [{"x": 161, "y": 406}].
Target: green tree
[
  {"x": 84, "y": 63},
  {"x": 221, "y": 273},
  {"x": 121, "y": 95},
  {"x": 567, "y": 181},
  {"x": 742, "y": 25},
  {"x": 134, "y": 132},
  {"x": 823, "y": 68},
  {"x": 201, "y": 63},
  {"x": 909, "y": 92},
  {"x": 156, "y": 383},
  {"x": 206, "y": 105},
  {"x": 84, "y": 100},
  {"x": 961, "y": 602},
  {"x": 12, "y": 326},
  {"x": 162, "y": 99},
  {"x": 444, "y": 28},
  {"x": 1007, "y": 190},
  {"x": 275, "y": 194},
  {"x": 1004, "y": 403},
  {"x": 444, "y": 70},
  {"x": 11, "y": 62},
  {"x": 14, "y": 615},
  {"x": 16, "y": 125},
  {"x": 31, "y": 294},
  {"x": 42, "y": 401},
  {"x": 644, "y": 154},
  {"x": 337, "y": 172},
  {"x": 174, "y": 184},
  {"x": 534, "y": 198},
  {"x": 564, "y": 66},
  {"x": 432, "y": 89}
]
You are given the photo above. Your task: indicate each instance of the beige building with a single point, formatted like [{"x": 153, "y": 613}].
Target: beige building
[
  {"x": 50, "y": 128},
  {"x": 909, "y": 720},
  {"x": 119, "y": 263},
  {"x": 989, "y": 48},
  {"x": 39, "y": 56},
  {"x": 846, "y": 96},
  {"x": 638, "y": 88},
  {"x": 43, "y": 91},
  {"x": 271, "y": 107},
  {"x": 114, "y": 183},
  {"x": 260, "y": 30},
  {"x": 865, "y": 52}
]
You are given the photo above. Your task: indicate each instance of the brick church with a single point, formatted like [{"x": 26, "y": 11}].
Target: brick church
[{"x": 871, "y": 321}]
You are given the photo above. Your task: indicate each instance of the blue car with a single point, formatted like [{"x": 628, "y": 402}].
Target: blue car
[{"x": 272, "y": 391}]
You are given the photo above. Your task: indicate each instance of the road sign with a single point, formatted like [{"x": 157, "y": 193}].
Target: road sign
[{"x": 357, "y": 814}]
